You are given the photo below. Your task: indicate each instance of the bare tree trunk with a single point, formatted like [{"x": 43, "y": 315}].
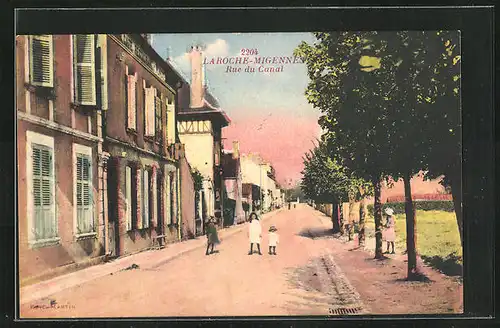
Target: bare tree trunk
[
  {"x": 340, "y": 209},
  {"x": 456, "y": 193},
  {"x": 352, "y": 203},
  {"x": 335, "y": 217},
  {"x": 361, "y": 232},
  {"x": 414, "y": 272},
  {"x": 377, "y": 214}
]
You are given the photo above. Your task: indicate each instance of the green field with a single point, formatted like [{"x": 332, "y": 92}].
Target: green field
[{"x": 438, "y": 240}]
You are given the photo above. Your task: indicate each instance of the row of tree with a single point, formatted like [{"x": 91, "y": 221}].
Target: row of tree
[{"x": 390, "y": 104}]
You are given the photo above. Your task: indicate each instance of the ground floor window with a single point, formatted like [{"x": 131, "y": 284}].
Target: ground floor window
[
  {"x": 128, "y": 197},
  {"x": 41, "y": 188},
  {"x": 84, "y": 190}
]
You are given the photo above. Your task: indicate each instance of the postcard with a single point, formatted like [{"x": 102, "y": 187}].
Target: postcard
[{"x": 239, "y": 174}]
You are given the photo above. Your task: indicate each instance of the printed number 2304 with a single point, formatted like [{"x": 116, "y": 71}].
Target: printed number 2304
[{"x": 249, "y": 52}]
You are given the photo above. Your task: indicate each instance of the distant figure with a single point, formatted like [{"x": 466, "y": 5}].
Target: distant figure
[
  {"x": 254, "y": 232},
  {"x": 289, "y": 204},
  {"x": 390, "y": 232},
  {"x": 273, "y": 240},
  {"x": 212, "y": 237}
]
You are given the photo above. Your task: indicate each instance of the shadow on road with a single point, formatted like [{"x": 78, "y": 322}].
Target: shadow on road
[{"x": 316, "y": 233}]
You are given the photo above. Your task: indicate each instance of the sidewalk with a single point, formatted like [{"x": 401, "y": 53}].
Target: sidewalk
[{"x": 145, "y": 260}]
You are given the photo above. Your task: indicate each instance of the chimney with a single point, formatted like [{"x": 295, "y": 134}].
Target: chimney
[
  {"x": 197, "y": 87},
  {"x": 236, "y": 149}
]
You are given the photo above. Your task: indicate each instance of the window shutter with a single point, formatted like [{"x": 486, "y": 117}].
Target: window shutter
[
  {"x": 43, "y": 197},
  {"x": 139, "y": 198},
  {"x": 128, "y": 197},
  {"x": 145, "y": 218},
  {"x": 149, "y": 110},
  {"x": 131, "y": 101},
  {"x": 154, "y": 186},
  {"x": 85, "y": 89},
  {"x": 41, "y": 60},
  {"x": 157, "y": 116},
  {"x": 85, "y": 217},
  {"x": 171, "y": 123}
]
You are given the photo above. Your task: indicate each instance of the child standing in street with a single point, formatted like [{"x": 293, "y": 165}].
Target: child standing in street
[
  {"x": 212, "y": 237},
  {"x": 254, "y": 232},
  {"x": 273, "y": 240}
]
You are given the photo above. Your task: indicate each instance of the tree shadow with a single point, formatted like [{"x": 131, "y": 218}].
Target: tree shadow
[
  {"x": 448, "y": 265},
  {"x": 417, "y": 278},
  {"x": 316, "y": 233}
]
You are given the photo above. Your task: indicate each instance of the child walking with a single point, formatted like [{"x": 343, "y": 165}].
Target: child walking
[
  {"x": 212, "y": 237},
  {"x": 273, "y": 240}
]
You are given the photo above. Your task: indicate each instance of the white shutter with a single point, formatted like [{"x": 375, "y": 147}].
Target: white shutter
[
  {"x": 171, "y": 123},
  {"x": 131, "y": 101},
  {"x": 139, "y": 198},
  {"x": 128, "y": 197},
  {"x": 41, "y": 60},
  {"x": 154, "y": 186},
  {"x": 84, "y": 69},
  {"x": 149, "y": 110},
  {"x": 145, "y": 184}
]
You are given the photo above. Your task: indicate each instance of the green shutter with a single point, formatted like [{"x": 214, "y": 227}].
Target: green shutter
[
  {"x": 44, "y": 222},
  {"x": 84, "y": 69},
  {"x": 41, "y": 60},
  {"x": 84, "y": 203}
]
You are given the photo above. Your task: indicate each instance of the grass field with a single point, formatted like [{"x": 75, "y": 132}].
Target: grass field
[{"x": 438, "y": 240}]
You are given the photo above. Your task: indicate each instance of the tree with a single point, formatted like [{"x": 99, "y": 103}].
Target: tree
[
  {"x": 324, "y": 180},
  {"x": 351, "y": 104},
  {"x": 377, "y": 92}
]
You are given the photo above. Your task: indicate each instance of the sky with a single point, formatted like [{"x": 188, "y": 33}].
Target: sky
[{"x": 269, "y": 112}]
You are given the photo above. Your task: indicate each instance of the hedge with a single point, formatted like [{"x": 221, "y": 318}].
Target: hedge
[
  {"x": 427, "y": 205},
  {"x": 419, "y": 197}
]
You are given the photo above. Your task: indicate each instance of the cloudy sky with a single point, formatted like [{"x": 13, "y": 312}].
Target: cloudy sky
[{"x": 269, "y": 112}]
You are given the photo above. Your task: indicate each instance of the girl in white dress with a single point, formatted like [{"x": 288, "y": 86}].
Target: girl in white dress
[
  {"x": 273, "y": 240},
  {"x": 254, "y": 232}
]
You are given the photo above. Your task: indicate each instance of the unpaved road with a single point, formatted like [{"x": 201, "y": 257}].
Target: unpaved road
[{"x": 307, "y": 277}]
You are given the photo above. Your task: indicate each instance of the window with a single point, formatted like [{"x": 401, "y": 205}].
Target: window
[
  {"x": 128, "y": 197},
  {"x": 138, "y": 198},
  {"x": 170, "y": 122},
  {"x": 149, "y": 110},
  {"x": 41, "y": 55},
  {"x": 131, "y": 99},
  {"x": 44, "y": 224},
  {"x": 158, "y": 107},
  {"x": 84, "y": 69},
  {"x": 146, "y": 190},
  {"x": 84, "y": 199}
]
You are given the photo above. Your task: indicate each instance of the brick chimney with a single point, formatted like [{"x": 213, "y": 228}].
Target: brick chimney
[
  {"x": 236, "y": 149},
  {"x": 197, "y": 72}
]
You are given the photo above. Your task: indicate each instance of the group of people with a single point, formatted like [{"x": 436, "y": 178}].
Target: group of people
[{"x": 254, "y": 234}]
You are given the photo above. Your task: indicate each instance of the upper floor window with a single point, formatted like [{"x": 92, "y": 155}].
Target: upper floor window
[
  {"x": 131, "y": 98},
  {"x": 149, "y": 110},
  {"x": 41, "y": 55},
  {"x": 170, "y": 122},
  {"x": 158, "y": 109},
  {"x": 84, "y": 69}
]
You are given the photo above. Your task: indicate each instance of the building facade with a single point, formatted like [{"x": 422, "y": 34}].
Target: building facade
[
  {"x": 233, "y": 209},
  {"x": 60, "y": 102},
  {"x": 143, "y": 170},
  {"x": 199, "y": 123}
]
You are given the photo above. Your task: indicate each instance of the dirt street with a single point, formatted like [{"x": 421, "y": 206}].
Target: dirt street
[{"x": 306, "y": 277}]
